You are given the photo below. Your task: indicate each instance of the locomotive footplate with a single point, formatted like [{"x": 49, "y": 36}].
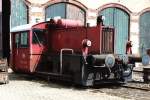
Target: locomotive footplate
[
  {"x": 54, "y": 76},
  {"x": 109, "y": 81}
]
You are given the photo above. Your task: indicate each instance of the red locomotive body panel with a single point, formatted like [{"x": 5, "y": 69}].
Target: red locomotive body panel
[
  {"x": 72, "y": 38},
  {"x": 36, "y": 49}
]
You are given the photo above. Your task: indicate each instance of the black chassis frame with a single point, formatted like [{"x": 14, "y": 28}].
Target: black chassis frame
[{"x": 76, "y": 69}]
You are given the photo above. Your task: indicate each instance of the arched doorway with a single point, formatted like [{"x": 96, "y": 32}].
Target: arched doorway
[
  {"x": 19, "y": 13},
  {"x": 144, "y": 32},
  {"x": 119, "y": 19},
  {"x": 65, "y": 10}
]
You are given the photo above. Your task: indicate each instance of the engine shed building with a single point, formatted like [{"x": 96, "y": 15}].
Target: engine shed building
[{"x": 131, "y": 18}]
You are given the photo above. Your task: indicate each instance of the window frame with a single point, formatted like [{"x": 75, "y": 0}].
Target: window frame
[
  {"x": 38, "y": 41},
  {"x": 20, "y": 44},
  {"x": 26, "y": 39}
]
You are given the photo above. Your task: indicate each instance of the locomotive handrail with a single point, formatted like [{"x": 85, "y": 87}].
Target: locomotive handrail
[{"x": 61, "y": 52}]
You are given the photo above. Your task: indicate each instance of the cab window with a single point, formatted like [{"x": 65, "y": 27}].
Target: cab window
[
  {"x": 38, "y": 36},
  {"x": 21, "y": 39},
  {"x": 24, "y": 39},
  {"x": 17, "y": 40}
]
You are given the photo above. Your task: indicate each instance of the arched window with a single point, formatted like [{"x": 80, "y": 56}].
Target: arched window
[
  {"x": 119, "y": 19},
  {"x": 65, "y": 10},
  {"x": 19, "y": 13},
  {"x": 144, "y": 32}
]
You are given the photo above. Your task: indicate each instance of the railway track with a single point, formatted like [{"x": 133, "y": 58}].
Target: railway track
[{"x": 137, "y": 86}]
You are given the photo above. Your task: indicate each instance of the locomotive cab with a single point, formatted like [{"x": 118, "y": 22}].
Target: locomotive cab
[{"x": 27, "y": 45}]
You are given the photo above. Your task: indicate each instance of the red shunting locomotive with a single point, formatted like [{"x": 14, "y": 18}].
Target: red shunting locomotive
[{"x": 67, "y": 50}]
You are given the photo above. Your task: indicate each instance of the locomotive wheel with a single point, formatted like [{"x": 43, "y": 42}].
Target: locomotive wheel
[{"x": 106, "y": 74}]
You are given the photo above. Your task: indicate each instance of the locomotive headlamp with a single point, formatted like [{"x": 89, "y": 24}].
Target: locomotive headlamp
[
  {"x": 86, "y": 43},
  {"x": 89, "y": 43},
  {"x": 110, "y": 60}
]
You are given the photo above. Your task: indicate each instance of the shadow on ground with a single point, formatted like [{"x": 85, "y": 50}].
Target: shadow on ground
[{"x": 45, "y": 82}]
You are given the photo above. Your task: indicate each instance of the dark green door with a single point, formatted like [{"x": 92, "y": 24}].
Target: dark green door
[
  {"x": 19, "y": 13},
  {"x": 119, "y": 19},
  {"x": 65, "y": 10},
  {"x": 55, "y": 11},
  {"x": 144, "y": 32}
]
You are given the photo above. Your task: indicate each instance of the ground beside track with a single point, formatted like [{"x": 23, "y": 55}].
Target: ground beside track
[{"x": 24, "y": 87}]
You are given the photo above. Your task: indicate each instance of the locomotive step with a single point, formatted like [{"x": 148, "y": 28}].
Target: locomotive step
[
  {"x": 98, "y": 66},
  {"x": 109, "y": 81}
]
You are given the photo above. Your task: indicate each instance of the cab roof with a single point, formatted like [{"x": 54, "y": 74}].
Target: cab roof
[{"x": 20, "y": 28}]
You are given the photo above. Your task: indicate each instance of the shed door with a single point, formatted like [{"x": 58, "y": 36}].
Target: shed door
[
  {"x": 65, "y": 10},
  {"x": 73, "y": 12},
  {"x": 56, "y": 10},
  {"x": 120, "y": 20},
  {"x": 19, "y": 13},
  {"x": 144, "y": 32}
]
